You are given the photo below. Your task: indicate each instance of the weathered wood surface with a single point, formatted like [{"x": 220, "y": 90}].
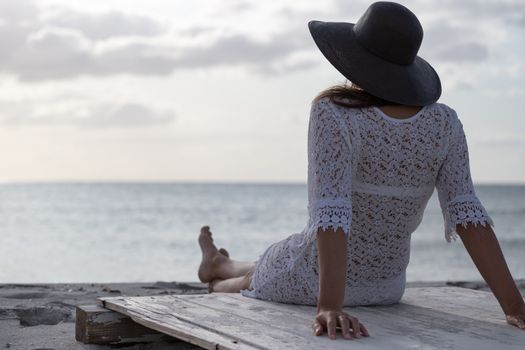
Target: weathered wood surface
[
  {"x": 426, "y": 318},
  {"x": 475, "y": 304},
  {"x": 97, "y": 325}
]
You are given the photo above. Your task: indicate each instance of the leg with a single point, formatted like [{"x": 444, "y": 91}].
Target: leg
[
  {"x": 216, "y": 264},
  {"x": 232, "y": 285}
]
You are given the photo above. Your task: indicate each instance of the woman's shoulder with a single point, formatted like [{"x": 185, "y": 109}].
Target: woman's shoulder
[
  {"x": 328, "y": 111},
  {"x": 449, "y": 114},
  {"x": 331, "y": 105},
  {"x": 322, "y": 102},
  {"x": 331, "y": 117},
  {"x": 444, "y": 109},
  {"x": 324, "y": 110}
]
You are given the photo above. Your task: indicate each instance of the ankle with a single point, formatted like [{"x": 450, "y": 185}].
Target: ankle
[{"x": 218, "y": 259}]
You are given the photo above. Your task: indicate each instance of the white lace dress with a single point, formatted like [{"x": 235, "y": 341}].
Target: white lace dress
[{"x": 371, "y": 175}]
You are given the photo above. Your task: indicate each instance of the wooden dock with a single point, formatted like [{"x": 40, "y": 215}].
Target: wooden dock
[{"x": 426, "y": 318}]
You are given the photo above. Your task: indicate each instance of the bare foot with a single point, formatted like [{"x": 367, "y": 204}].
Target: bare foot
[{"x": 211, "y": 256}]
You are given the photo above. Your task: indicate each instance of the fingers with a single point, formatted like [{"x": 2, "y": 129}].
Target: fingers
[
  {"x": 331, "y": 323},
  {"x": 318, "y": 329},
  {"x": 364, "y": 330},
  {"x": 516, "y": 321},
  {"x": 355, "y": 326},
  {"x": 345, "y": 327},
  {"x": 331, "y": 320}
]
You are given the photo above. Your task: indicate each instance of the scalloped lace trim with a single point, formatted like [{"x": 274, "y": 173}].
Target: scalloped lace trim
[
  {"x": 335, "y": 213},
  {"x": 464, "y": 210}
]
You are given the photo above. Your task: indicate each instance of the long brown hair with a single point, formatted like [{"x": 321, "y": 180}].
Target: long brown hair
[{"x": 354, "y": 95}]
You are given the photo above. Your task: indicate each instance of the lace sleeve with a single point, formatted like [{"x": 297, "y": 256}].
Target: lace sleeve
[
  {"x": 329, "y": 170},
  {"x": 458, "y": 200}
]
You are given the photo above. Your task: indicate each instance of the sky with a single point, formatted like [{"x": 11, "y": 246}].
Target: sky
[{"x": 220, "y": 90}]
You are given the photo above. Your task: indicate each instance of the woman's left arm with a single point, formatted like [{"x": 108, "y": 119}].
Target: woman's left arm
[
  {"x": 465, "y": 215},
  {"x": 484, "y": 249}
]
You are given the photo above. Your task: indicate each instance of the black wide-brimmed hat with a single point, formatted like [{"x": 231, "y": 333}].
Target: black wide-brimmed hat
[{"x": 379, "y": 53}]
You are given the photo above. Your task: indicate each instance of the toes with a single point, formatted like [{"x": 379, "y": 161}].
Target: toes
[
  {"x": 205, "y": 229},
  {"x": 224, "y": 252}
]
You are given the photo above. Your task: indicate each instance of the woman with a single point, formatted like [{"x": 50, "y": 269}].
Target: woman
[{"x": 376, "y": 151}]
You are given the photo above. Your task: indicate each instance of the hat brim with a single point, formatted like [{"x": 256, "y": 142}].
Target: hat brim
[{"x": 415, "y": 84}]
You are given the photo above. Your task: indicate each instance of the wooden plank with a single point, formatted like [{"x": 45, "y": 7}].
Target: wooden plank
[
  {"x": 453, "y": 300},
  {"x": 478, "y": 305},
  {"x": 407, "y": 318},
  {"x": 278, "y": 325},
  {"x": 243, "y": 330},
  {"x": 475, "y": 304},
  {"x": 97, "y": 325},
  {"x": 148, "y": 312},
  {"x": 257, "y": 324}
]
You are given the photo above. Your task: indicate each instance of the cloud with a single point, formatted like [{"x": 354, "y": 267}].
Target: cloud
[
  {"x": 70, "y": 44},
  {"x": 196, "y": 30},
  {"x": 48, "y": 54},
  {"x": 239, "y": 49},
  {"x": 474, "y": 10},
  {"x": 82, "y": 113},
  {"x": 285, "y": 67},
  {"x": 461, "y": 52},
  {"x": 126, "y": 115},
  {"x": 101, "y": 26},
  {"x": 236, "y": 7},
  {"x": 55, "y": 54},
  {"x": 240, "y": 6},
  {"x": 17, "y": 11}
]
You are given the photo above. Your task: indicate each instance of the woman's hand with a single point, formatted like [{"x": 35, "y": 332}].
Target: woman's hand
[
  {"x": 327, "y": 319},
  {"x": 517, "y": 319}
]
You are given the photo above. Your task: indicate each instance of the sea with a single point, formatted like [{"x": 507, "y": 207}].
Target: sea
[{"x": 147, "y": 232}]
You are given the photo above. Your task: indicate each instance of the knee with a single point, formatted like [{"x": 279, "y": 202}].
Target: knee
[
  {"x": 247, "y": 278},
  {"x": 250, "y": 272}
]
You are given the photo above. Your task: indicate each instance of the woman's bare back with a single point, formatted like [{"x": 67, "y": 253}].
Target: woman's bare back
[{"x": 400, "y": 112}]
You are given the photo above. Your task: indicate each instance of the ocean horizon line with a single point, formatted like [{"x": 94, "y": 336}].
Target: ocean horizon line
[{"x": 195, "y": 182}]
